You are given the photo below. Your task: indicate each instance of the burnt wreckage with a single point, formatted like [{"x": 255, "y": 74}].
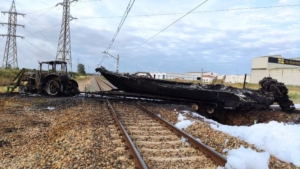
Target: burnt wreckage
[
  {"x": 51, "y": 78},
  {"x": 209, "y": 96}
]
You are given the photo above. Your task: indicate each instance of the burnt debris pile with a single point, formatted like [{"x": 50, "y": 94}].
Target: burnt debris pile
[{"x": 277, "y": 91}]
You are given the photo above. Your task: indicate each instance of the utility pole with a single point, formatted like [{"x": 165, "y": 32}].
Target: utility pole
[
  {"x": 117, "y": 58},
  {"x": 202, "y": 75},
  {"x": 64, "y": 43},
  {"x": 10, "y": 59}
]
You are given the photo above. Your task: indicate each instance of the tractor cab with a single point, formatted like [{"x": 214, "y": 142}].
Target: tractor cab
[{"x": 54, "y": 67}]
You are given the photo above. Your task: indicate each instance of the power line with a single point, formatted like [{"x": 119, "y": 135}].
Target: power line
[
  {"x": 39, "y": 15},
  {"x": 210, "y": 11},
  {"x": 42, "y": 35},
  {"x": 170, "y": 25},
  {"x": 130, "y": 4},
  {"x": 30, "y": 22},
  {"x": 39, "y": 10},
  {"x": 121, "y": 24},
  {"x": 33, "y": 52},
  {"x": 52, "y": 7},
  {"x": 36, "y": 46},
  {"x": 42, "y": 30},
  {"x": 90, "y": 1}
]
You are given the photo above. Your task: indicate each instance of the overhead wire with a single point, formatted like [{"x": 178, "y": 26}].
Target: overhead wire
[
  {"x": 30, "y": 22},
  {"x": 32, "y": 51},
  {"x": 40, "y": 15},
  {"x": 42, "y": 30},
  {"x": 170, "y": 25},
  {"x": 38, "y": 10},
  {"x": 209, "y": 11},
  {"x": 90, "y": 1},
  {"x": 249, "y": 8},
  {"x": 129, "y": 6},
  {"x": 43, "y": 36},
  {"x": 36, "y": 46},
  {"x": 121, "y": 24}
]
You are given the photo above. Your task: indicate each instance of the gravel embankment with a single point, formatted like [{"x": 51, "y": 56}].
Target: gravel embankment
[
  {"x": 217, "y": 140},
  {"x": 59, "y": 133}
]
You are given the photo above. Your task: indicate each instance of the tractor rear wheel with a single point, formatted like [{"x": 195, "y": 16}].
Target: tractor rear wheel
[{"x": 52, "y": 87}]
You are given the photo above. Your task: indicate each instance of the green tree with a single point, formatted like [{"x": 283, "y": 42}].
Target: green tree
[{"x": 81, "y": 69}]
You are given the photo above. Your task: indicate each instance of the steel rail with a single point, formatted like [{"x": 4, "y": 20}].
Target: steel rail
[
  {"x": 99, "y": 86},
  {"x": 140, "y": 163},
  {"x": 108, "y": 84},
  {"x": 217, "y": 157}
]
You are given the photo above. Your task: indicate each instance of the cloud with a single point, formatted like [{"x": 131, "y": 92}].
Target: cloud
[{"x": 217, "y": 41}]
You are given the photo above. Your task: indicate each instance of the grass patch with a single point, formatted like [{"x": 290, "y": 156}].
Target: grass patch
[
  {"x": 82, "y": 78},
  {"x": 7, "y": 75},
  {"x": 3, "y": 89}
]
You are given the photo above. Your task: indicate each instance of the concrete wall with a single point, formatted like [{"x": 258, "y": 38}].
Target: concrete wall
[
  {"x": 287, "y": 76},
  {"x": 257, "y": 75}
]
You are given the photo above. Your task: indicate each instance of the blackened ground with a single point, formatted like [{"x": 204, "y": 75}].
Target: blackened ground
[{"x": 239, "y": 118}]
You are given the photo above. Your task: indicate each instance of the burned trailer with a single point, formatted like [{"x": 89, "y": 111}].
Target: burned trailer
[{"x": 208, "y": 96}]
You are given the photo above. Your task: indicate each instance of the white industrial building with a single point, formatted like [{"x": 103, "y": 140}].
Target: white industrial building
[
  {"x": 207, "y": 76},
  {"x": 277, "y": 67},
  {"x": 183, "y": 76},
  {"x": 235, "y": 78},
  {"x": 159, "y": 75},
  {"x": 176, "y": 76}
]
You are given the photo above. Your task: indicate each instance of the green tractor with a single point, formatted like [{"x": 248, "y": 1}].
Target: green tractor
[{"x": 51, "y": 78}]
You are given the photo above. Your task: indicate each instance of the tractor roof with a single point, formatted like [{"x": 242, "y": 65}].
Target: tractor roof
[{"x": 54, "y": 62}]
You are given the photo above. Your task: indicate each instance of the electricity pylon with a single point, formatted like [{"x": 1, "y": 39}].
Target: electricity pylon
[
  {"x": 10, "y": 59},
  {"x": 64, "y": 43}
]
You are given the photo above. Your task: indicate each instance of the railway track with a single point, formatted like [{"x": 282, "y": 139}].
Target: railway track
[
  {"x": 103, "y": 84},
  {"x": 155, "y": 143}
]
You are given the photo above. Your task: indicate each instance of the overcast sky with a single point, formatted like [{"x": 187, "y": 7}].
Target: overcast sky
[{"x": 221, "y": 41}]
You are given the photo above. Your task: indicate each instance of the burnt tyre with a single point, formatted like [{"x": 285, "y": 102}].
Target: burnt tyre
[
  {"x": 52, "y": 87},
  {"x": 195, "y": 107},
  {"x": 210, "y": 110},
  {"x": 73, "y": 87}
]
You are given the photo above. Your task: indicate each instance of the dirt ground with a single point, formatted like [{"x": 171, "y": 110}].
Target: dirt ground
[{"x": 84, "y": 83}]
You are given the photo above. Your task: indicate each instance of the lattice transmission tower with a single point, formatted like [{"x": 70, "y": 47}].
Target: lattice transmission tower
[
  {"x": 10, "y": 58},
  {"x": 64, "y": 43}
]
